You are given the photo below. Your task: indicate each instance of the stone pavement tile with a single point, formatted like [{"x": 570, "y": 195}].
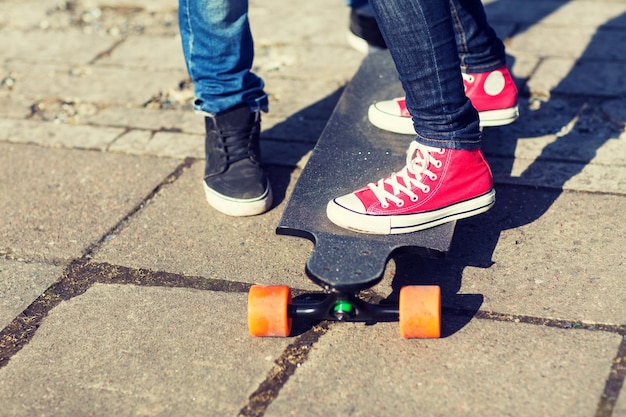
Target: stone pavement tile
[
  {"x": 568, "y": 176},
  {"x": 522, "y": 67},
  {"x": 71, "y": 46},
  {"x": 295, "y": 62},
  {"x": 616, "y": 111},
  {"x": 583, "y": 13},
  {"x": 25, "y": 14},
  {"x": 620, "y": 407},
  {"x": 108, "y": 85},
  {"x": 484, "y": 369},
  {"x": 567, "y": 76},
  {"x": 173, "y": 145},
  {"x": 564, "y": 43},
  {"x": 564, "y": 143},
  {"x": 13, "y": 106},
  {"x": 179, "y": 232},
  {"x": 554, "y": 12},
  {"x": 285, "y": 141},
  {"x": 148, "y": 119},
  {"x": 314, "y": 99},
  {"x": 21, "y": 283},
  {"x": 543, "y": 254},
  {"x": 323, "y": 22},
  {"x": 562, "y": 129},
  {"x": 140, "y": 52},
  {"x": 58, "y": 202},
  {"x": 150, "y": 5},
  {"x": 528, "y": 12},
  {"x": 51, "y": 134},
  {"x": 124, "y": 350}
]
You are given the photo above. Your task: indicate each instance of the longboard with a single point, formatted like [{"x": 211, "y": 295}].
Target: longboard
[{"x": 350, "y": 153}]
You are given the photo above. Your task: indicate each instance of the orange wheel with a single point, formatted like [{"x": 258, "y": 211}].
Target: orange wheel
[
  {"x": 267, "y": 310},
  {"x": 420, "y": 312}
]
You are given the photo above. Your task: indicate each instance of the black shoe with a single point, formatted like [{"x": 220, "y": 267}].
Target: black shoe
[
  {"x": 234, "y": 180},
  {"x": 364, "y": 35}
]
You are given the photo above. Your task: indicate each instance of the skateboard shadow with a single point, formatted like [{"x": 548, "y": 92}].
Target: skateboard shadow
[
  {"x": 573, "y": 126},
  {"x": 295, "y": 137}
]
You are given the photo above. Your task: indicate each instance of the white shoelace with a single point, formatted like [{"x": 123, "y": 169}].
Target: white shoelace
[{"x": 408, "y": 178}]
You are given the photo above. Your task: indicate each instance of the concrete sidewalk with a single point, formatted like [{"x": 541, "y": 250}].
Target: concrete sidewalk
[{"x": 123, "y": 294}]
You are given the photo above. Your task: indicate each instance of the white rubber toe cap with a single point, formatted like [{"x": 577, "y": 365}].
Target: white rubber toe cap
[
  {"x": 389, "y": 107},
  {"x": 348, "y": 202}
]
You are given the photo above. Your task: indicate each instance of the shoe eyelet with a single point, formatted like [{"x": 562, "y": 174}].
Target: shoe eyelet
[
  {"x": 437, "y": 164},
  {"x": 385, "y": 205},
  {"x": 426, "y": 189},
  {"x": 433, "y": 177},
  {"x": 414, "y": 198},
  {"x": 400, "y": 204}
]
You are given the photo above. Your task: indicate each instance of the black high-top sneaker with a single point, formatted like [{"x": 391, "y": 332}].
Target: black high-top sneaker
[{"x": 234, "y": 180}]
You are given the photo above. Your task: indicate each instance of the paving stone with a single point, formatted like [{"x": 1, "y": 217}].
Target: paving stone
[
  {"x": 580, "y": 12},
  {"x": 139, "y": 52},
  {"x": 77, "y": 197},
  {"x": 14, "y": 107},
  {"x": 93, "y": 84},
  {"x": 150, "y": 5},
  {"x": 21, "y": 283},
  {"x": 526, "y": 12},
  {"x": 544, "y": 254},
  {"x": 561, "y": 44},
  {"x": 549, "y": 251},
  {"x": 127, "y": 351},
  {"x": 565, "y": 144},
  {"x": 485, "y": 368},
  {"x": 620, "y": 407},
  {"x": 271, "y": 23},
  {"x": 179, "y": 232},
  {"x": 26, "y": 14},
  {"x": 605, "y": 81},
  {"x": 555, "y": 12},
  {"x": 522, "y": 67},
  {"x": 172, "y": 145},
  {"x": 51, "y": 134},
  {"x": 295, "y": 62},
  {"x": 285, "y": 143},
  {"x": 148, "y": 119},
  {"x": 563, "y": 130},
  {"x": 303, "y": 98},
  {"x": 71, "y": 46},
  {"x": 565, "y": 76},
  {"x": 559, "y": 175}
]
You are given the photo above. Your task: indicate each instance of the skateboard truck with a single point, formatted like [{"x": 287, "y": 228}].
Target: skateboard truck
[
  {"x": 271, "y": 310},
  {"x": 342, "y": 307}
]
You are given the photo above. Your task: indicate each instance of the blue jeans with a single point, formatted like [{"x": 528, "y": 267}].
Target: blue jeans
[
  {"x": 422, "y": 38},
  {"x": 218, "y": 50},
  {"x": 429, "y": 43},
  {"x": 478, "y": 47}
]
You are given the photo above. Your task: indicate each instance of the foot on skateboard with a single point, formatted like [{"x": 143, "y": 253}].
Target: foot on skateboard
[{"x": 435, "y": 186}]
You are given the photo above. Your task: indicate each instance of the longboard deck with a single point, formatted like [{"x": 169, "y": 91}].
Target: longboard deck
[{"x": 351, "y": 153}]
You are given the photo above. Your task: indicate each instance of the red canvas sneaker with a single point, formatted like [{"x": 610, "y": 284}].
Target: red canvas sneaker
[
  {"x": 493, "y": 94},
  {"x": 436, "y": 186}
]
